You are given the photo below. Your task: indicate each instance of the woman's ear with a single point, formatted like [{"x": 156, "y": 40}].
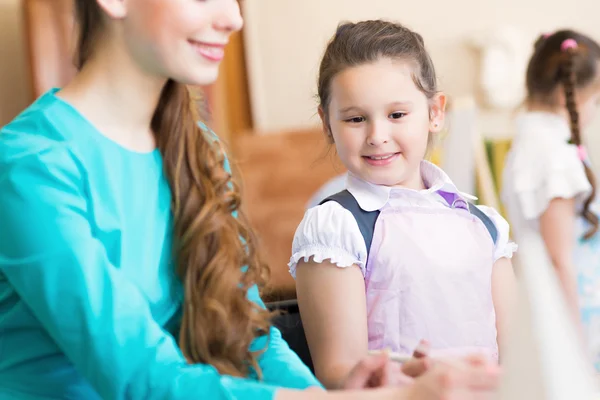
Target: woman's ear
[
  {"x": 115, "y": 9},
  {"x": 325, "y": 125},
  {"x": 437, "y": 112}
]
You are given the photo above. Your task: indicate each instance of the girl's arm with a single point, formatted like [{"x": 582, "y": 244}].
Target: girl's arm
[
  {"x": 332, "y": 303},
  {"x": 503, "y": 277},
  {"x": 375, "y": 394},
  {"x": 557, "y": 226},
  {"x": 503, "y": 294}
]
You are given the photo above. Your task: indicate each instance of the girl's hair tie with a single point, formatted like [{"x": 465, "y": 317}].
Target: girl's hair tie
[
  {"x": 582, "y": 152},
  {"x": 546, "y": 35},
  {"x": 568, "y": 44}
]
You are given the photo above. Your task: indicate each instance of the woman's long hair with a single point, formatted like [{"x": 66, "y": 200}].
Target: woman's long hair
[{"x": 215, "y": 252}]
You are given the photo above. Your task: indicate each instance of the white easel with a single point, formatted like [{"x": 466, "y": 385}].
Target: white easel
[{"x": 544, "y": 359}]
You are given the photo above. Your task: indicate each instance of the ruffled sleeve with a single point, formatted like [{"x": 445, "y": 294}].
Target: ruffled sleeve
[
  {"x": 542, "y": 170},
  {"x": 329, "y": 232},
  {"x": 504, "y": 247}
]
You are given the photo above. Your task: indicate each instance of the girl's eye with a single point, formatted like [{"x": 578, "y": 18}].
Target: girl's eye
[
  {"x": 397, "y": 115},
  {"x": 356, "y": 120}
]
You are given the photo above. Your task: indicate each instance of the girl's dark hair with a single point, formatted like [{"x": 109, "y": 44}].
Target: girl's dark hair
[
  {"x": 366, "y": 42},
  {"x": 211, "y": 246},
  {"x": 554, "y": 65}
]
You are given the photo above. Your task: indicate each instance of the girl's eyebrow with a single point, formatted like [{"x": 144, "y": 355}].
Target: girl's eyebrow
[
  {"x": 394, "y": 104},
  {"x": 348, "y": 109}
]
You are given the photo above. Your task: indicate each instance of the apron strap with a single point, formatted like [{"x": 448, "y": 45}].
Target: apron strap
[
  {"x": 366, "y": 219},
  {"x": 486, "y": 221}
]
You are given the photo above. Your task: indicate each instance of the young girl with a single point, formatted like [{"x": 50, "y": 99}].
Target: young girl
[
  {"x": 549, "y": 186},
  {"x": 124, "y": 272},
  {"x": 400, "y": 256}
]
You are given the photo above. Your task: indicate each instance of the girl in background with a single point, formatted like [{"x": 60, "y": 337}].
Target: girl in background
[{"x": 549, "y": 186}]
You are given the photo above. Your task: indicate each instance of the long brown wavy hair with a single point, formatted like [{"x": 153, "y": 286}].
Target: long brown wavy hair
[
  {"x": 211, "y": 245},
  {"x": 551, "y": 67}
]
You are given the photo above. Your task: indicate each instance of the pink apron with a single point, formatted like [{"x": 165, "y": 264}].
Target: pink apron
[{"x": 429, "y": 277}]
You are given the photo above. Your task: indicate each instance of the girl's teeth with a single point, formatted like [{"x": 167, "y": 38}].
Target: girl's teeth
[{"x": 380, "y": 158}]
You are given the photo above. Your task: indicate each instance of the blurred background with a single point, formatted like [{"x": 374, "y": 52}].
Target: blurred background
[{"x": 264, "y": 106}]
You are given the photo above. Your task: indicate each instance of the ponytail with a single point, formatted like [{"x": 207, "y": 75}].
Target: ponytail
[
  {"x": 211, "y": 245},
  {"x": 569, "y": 84}
]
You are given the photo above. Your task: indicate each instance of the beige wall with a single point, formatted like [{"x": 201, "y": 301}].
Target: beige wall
[
  {"x": 285, "y": 39},
  {"x": 14, "y": 89}
]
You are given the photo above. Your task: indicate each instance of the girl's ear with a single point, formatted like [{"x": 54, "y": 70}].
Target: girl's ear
[
  {"x": 437, "y": 112},
  {"x": 325, "y": 125}
]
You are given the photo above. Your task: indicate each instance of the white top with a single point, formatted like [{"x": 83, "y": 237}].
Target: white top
[
  {"x": 541, "y": 166},
  {"x": 331, "y": 187},
  {"x": 330, "y": 232}
]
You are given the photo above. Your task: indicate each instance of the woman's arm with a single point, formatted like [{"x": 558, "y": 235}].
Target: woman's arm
[
  {"x": 92, "y": 311},
  {"x": 332, "y": 303}
]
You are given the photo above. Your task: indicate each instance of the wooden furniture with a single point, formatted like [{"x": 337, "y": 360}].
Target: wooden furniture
[
  {"x": 280, "y": 172},
  {"x": 49, "y": 33}
]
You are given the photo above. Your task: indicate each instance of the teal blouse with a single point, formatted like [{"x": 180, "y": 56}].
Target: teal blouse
[{"x": 89, "y": 301}]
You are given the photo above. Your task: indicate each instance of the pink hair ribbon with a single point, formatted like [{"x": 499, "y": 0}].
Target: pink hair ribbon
[
  {"x": 568, "y": 44},
  {"x": 582, "y": 152}
]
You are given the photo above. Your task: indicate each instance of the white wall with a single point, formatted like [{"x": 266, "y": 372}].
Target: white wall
[{"x": 285, "y": 39}]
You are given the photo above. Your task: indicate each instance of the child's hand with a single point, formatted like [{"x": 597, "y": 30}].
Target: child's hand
[
  {"x": 379, "y": 371},
  {"x": 472, "y": 378},
  {"x": 416, "y": 366},
  {"x": 375, "y": 371}
]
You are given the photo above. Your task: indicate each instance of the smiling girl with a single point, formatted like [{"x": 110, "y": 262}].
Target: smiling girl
[{"x": 400, "y": 255}]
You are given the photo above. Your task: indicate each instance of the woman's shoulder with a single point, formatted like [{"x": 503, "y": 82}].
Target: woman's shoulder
[
  {"x": 35, "y": 131},
  {"x": 31, "y": 142}
]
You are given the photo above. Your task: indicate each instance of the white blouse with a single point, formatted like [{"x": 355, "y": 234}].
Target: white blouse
[
  {"x": 541, "y": 166},
  {"x": 330, "y": 232}
]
